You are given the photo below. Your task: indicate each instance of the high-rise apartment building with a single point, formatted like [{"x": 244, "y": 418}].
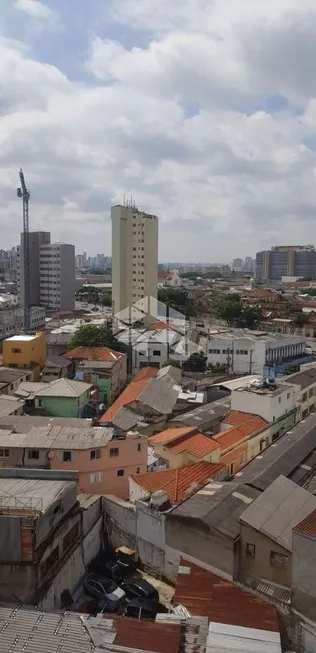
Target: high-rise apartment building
[
  {"x": 57, "y": 277},
  {"x": 286, "y": 261},
  {"x": 134, "y": 256},
  {"x": 36, "y": 240},
  {"x": 52, "y": 273}
]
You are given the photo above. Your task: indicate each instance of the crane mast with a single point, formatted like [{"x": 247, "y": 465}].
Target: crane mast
[{"x": 24, "y": 194}]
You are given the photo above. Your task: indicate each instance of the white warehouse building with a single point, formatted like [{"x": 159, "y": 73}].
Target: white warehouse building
[{"x": 249, "y": 352}]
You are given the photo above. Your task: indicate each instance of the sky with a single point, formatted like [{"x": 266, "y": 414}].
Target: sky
[{"x": 203, "y": 110}]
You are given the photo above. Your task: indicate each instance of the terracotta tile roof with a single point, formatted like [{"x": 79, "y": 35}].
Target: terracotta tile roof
[
  {"x": 206, "y": 594},
  {"x": 197, "y": 444},
  {"x": 235, "y": 418},
  {"x": 227, "y": 439},
  {"x": 177, "y": 482},
  {"x": 160, "y": 326},
  {"x": 131, "y": 393},
  {"x": 170, "y": 435},
  {"x": 308, "y": 525},
  {"x": 166, "y": 275},
  {"x": 94, "y": 354}
]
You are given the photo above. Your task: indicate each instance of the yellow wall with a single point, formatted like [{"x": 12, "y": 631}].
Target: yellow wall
[
  {"x": 177, "y": 460},
  {"x": 21, "y": 353}
]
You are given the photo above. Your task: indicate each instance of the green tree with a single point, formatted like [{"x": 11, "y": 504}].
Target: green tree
[
  {"x": 197, "y": 362},
  {"x": 173, "y": 363},
  {"x": 300, "y": 319},
  {"x": 229, "y": 309},
  {"x": 251, "y": 316},
  {"x": 310, "y": 291},
  {"x": 174, "y": 297},
  {"x": 218, "y": 368},
  {"x": 91, "y": 335}
]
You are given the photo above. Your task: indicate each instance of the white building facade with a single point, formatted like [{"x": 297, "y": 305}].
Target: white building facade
[
  {"x": 271, "y": 405},
  {"x": 134, "y": 256},
  {"x": 12, "y": 320},
  {"x": 57, "y": 277},
  {"x": 248, "y": 352}
]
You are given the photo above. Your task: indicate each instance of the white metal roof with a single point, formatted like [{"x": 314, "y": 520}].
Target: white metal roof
[
  {"x": 224, "y": 638},
  {"x": 22, "y": 338}
]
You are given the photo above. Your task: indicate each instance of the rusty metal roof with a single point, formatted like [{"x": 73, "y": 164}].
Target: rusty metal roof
[
  {"x": 142, "y": 635},
  {"x": 206, "y": 594},
  {"x": 308, "y": 525}
]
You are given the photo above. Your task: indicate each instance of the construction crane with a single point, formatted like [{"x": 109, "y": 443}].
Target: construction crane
[{"x": 24, "y": 194}]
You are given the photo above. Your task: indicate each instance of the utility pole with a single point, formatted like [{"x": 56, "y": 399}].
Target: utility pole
[{"x": 24, "y": 194}]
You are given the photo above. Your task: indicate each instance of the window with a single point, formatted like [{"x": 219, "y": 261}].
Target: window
[
  {"x": 241, "y": 458},
  {"x": 137, "y": 470},
  {"x": 250, "y": 550},
  {"x": 120, "y": 472},
  {"x": 279, "y": 400},
  {"x": 49, "y": 562},
  {"x": 95, "y": 478},
  {"x": 214, "y": 351},
  {"x": 33, "y": 454},
  {"x": 114, "y": 452},
  {"x": 4, "y": 453},
  {"x": 139, "y": 447},
  {"x": 156, "y": 352},
  {"x": 95, "y": 453},
  {"x": 71, "y": 537},
  {"x": 57, "y": 509},
  {"x": 242, "y": 352},
  {"x": 67, "y": 456},
  {"x": 15, "y": 350},
  {"x": 311, "y": 392},
  {"x": 304, "y": 396},
  {"x": 277, "y": 559}
]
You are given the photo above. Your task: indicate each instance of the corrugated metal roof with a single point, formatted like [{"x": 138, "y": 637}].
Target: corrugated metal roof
[
  {"x": 282, "y": 457},
  {"x": 57, "y": 437},
  {"x": 224, "y": 638},
  {"x": 64, "y": 388},
  {"x": 279, "y": 508},
  {"x": 140, "y": 635},
  {"x": 206, "y": 594},
  {"x": 24, "y": 423},
  {"x": 30, "y": 494},
  {"x": 218, "y": 505},
  {"x": 202, "y": 415},
  {"x": 303, "y": 379},
  {"x": 276, "y": 592},
  {"x": 160, "y": 395}
]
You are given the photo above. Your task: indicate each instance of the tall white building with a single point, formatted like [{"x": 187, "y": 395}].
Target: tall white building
[
  {"x": 52, "y": 273},
  {"x": 134, "y": 256},
  {"x": 57, "y": 277}
]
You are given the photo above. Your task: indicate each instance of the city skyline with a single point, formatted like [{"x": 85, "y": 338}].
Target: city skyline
[{"x": 225, "y": 157}]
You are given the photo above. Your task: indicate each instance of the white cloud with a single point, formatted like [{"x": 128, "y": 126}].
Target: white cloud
[
  {"x": 183, "y": 124},
  {"x": 34, "y": 8}
]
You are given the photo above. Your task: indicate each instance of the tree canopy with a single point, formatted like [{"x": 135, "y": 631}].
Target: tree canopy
[
  {"x": 251, "y": 316},
  {"x": 177, "y": 299},
  {"x": 91, "y": 335},
  {"x": 197, "y": 362},
  {"x": 229, "y": 309}
]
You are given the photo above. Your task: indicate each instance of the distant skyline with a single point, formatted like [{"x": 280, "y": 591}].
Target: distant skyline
[{"x": 101, "y": 100}]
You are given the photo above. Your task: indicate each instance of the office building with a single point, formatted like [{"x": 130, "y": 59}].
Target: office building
[
  {"x": 237, "y": 265},
  {"x": 286, "y": 261},
  {"x": 36, "y": 240},
  {"x": 134, "y": 256},
  {"x": 57, "y": 277}
]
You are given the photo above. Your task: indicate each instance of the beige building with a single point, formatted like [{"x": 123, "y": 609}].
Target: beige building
[
  {"x": 134, "y": 256},
  {"x": 57, "y": 277},
  {"x": 266, "y": 530}
]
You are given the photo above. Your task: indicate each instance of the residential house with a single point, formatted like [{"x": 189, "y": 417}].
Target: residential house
[
  {"x": 303, "y": 559},
  {"x": 177, "y": 484},
  {"x": 240, "y": 436},
  {"x": 146, "y": 403},
  {"x": 103, "y": 460},
  {"x": 266, "y": 525},
  {"x": 11, "y": 406},
  {"x": 271, "y": 402},
  {"x": 102, "y": 366},
  {"x": 206, "y": 525},
  {"x": 61, "y": 398},
  {"x": 206, "y": 417},
  {"x": 57, "y": 367},
  {"x": 181, "y": 446},
  {"x": 304, "y": 384},
  {"x": 10, "y": 379},
  {"x": 169, "y": 279},
  {"x": 53, "y": 535},
  {"x": 23, "y": 424},
  {"x": 25, "y": 352}
]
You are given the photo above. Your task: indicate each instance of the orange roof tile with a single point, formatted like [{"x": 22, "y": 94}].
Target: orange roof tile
[
  {"x": 177, "y": 482},
  {"x": 94, "y": 354},
  {"x": 131, "y": 393},
  {"x": 206, "y": 594},
  {"x": 197, "y": 444},
  {"x": 230, "y": 438},
  {"x": 235, "y": 418},
  {"x": 308, "y": 525},
  {"x": 169, "y": 435},
  {"x": 160, "y": 326}
]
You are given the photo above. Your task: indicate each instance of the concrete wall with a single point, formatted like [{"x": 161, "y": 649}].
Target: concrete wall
[
  {"x": 269, "y": 405},
  {"x": 260, "y": 565},
  {"x": 303, "y": 576}
]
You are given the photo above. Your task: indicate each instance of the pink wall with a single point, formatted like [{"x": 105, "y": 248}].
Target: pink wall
[{"x": 129, "y": 459}]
